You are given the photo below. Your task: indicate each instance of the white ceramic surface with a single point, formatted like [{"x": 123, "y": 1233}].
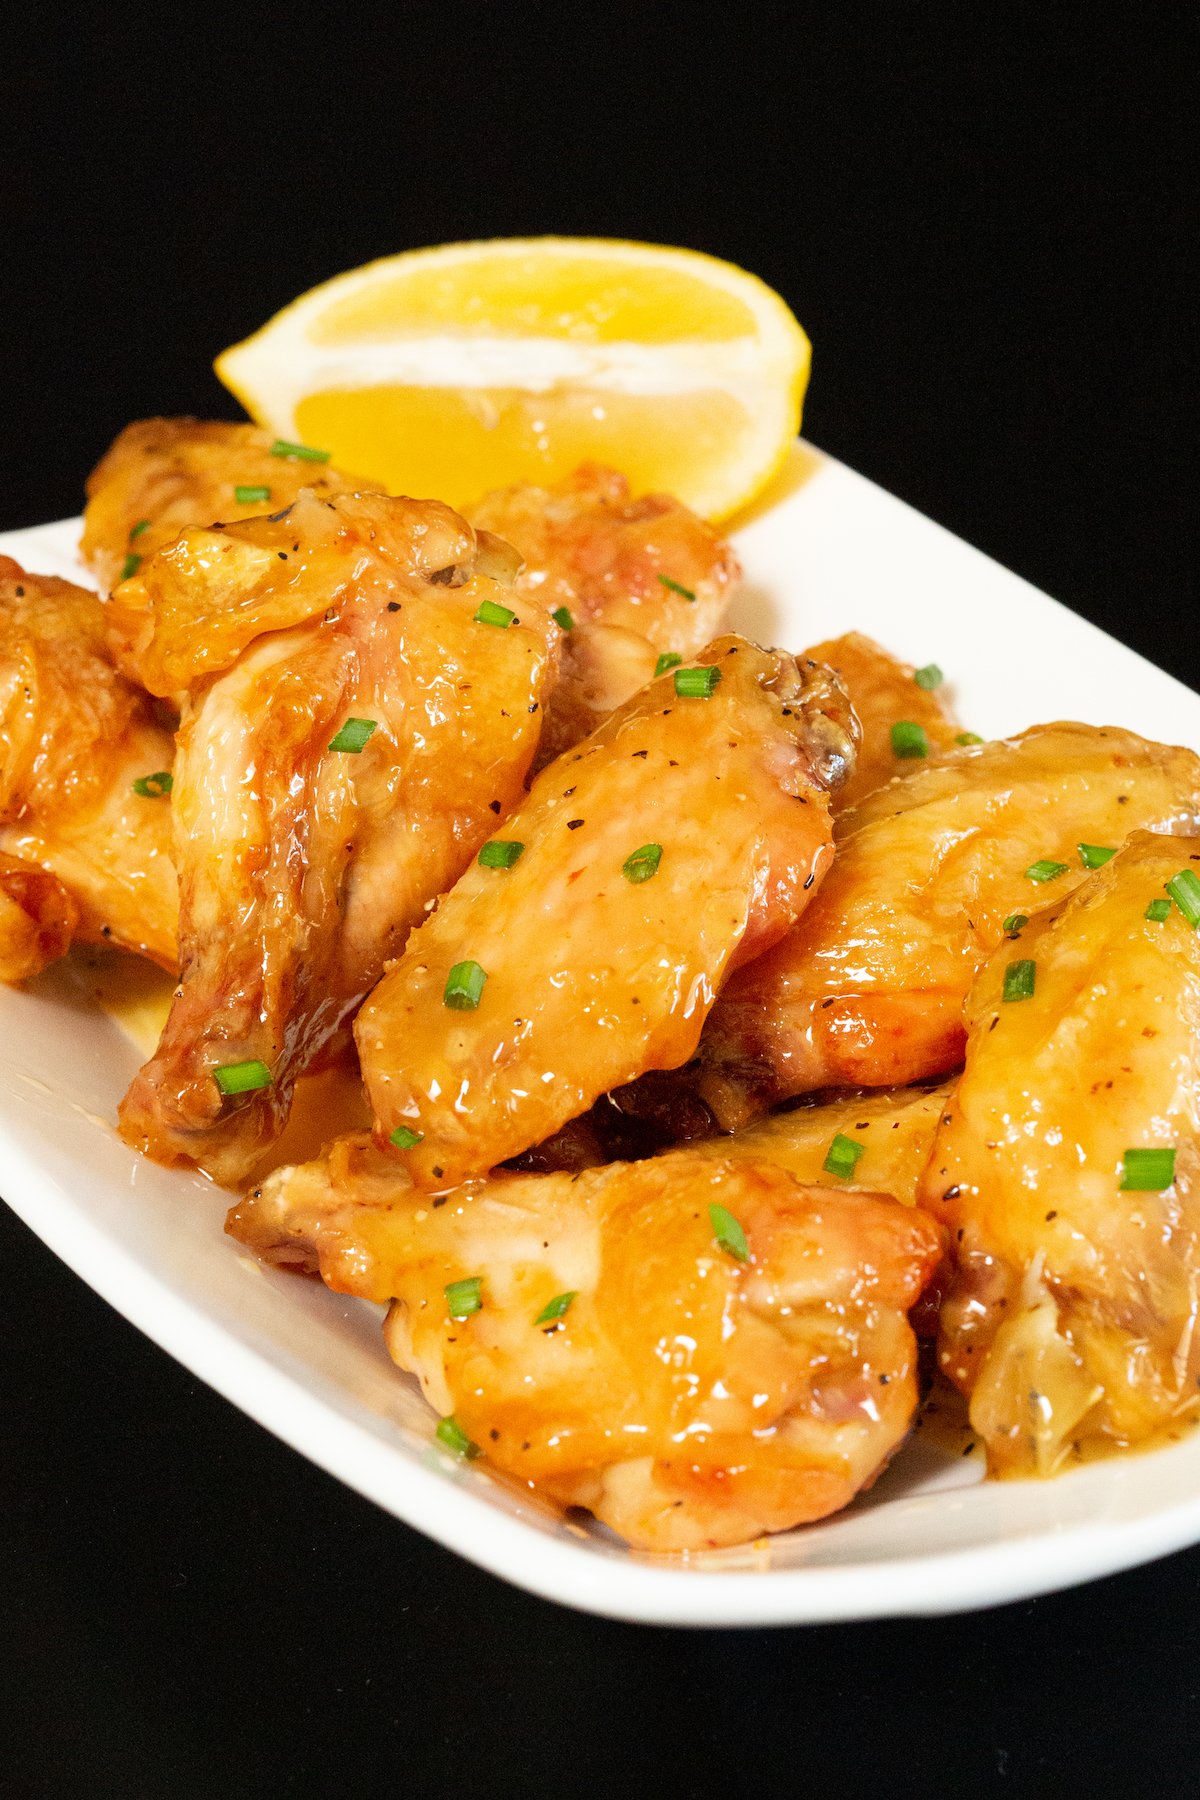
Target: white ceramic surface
[{"x": 834, "y": 553}]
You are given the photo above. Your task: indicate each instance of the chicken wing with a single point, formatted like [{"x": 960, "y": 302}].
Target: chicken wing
[
  {"x": 638, "y": 578},
  {"x": 162, "y": 475},
  {"x": 696, "y": 1350},
  {"x": 867, "y": 990},
  {"x": 680, "y": 839},
  {"x": 38, "y": 918},
  {"x": 85, "y": 769},
  {"x": 885, "y": 693},
  {"x": 1068, "y": 1171},
  {"x": 333, "y": 778}
]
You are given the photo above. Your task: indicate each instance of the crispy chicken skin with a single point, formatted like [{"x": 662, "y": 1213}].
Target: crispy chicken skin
[
  {"x": 162, "y": 475},
  {"x": 687, "y": 1398},
  {"x": 38, "y": 918},
  {"x": 74, "y": 737},
  {"x": 896, "y": 1129},
  {"x": 867, "y": 990},
  {"x": 638, "y": 577},
  {"x": 595, "y": 970},
  {"x": 304, "y": 867},
  {"x": 883, "y": 692},
  {"x": 1072, "y": 1309}
]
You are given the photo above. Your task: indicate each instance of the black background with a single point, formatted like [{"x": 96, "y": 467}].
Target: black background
[{"x": 981, "y": 216}]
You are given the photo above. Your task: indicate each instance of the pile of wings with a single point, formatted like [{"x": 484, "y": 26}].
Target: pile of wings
[{"x": 728, "y": 1020}]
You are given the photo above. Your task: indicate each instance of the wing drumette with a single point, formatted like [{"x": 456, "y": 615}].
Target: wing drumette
[
  {"x": 698, "y": 1351},
  {"x": 679, "y": 840},
  {"x": 84, "y": 772},
  {"x": 356, "y": 728},
  {"x": 1068, "y": 1171}
]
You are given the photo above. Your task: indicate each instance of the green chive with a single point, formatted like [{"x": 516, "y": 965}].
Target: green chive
[
  {"x": 1045, "y": 870},
  {"x": 968, "y": 737},
  {"x": 677, "y": 587},
  {"x": 492, "y": 613},
  {"x": 842, "y": 1156},
  {"x": 1019, "y": 979},
  {"x": 243, "y": 1077},
  {"x": 302, "y": 452},
  {"x": 556, "y": 1308},
  {"x": 464, "y": 985},
  {"x": 562, "y": 616},
  {"x": 1147, "y": 1171},
  {"x": 405, "y": 1139},
  {"x": 130, "y": 566},
  {"x": 464, "y": 1297},
  {"x": 451, "y": 1434},
  {"x": 248, "y": 496},
  {"x": 697, "y": 684},
  {"x": 729, "y": 1233},
  {"x": 1158, "y": 910},
  {"x": 908, "y": 739},
  {"x": 1094, "y": 856},
  {"x": 929, "y": 677},
  {"x": 500, "y": 854},
  {"x": 154, "y": 787},
  {"x": 1015, "y": 922},
  {"x": 142, "y": 525},
  {"x": 643, "y": 863},
  {"x": 668, "y": 660},
  {"x": 353, "y": 735},
  {"x": 1184, "y": 890}
]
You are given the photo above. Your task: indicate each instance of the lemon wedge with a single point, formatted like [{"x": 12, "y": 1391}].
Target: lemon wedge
[{"x": 450, "y": 371}]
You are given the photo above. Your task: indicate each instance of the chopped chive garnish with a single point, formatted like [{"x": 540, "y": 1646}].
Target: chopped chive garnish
[
  {"x": 243, "y": 1077},
  {"x": 729, "y": 1233},
  {"x": 909, "y": 739},
  {"x": 556, "y": 1308},
  {"x": 1015, "y": 922},
  {"x": 677, "y": 587},
  {"x": 142, "y": 525},
  {"x": 668, "y": 660},
  {"x": 562, "y": 617},
  {"x": 492, "y": 613},
  {"x": 353, "y": 736},
  {"x": 500, "y": 854},
  {"x": 1147, "y": 1171},
  {"x": 404, "y": 1138},
  {"x": 968, "y": 737},
  {"x": 1094, "y": 856},
  {"x": 1019, "y": 979},
  {"x": 131, "y": 565},
  {"x": 248, "y": 496},
  {"x": 1184, "y": 890},
  {"x": 643, "y": 863},
  {"x": 697, "y": 684},
  {"x": 1045, "y": 870},
  {"x": 842, "y": 1156},
  {"x": 464, "y": 1297},
  {"x": 464, "y": 985},
  {"x": 156, "y": 786},
  {"x": 302, "y": 452},
  {"x": 1158, "y": 910},
  {"x": 929, "y": 677},
  {"x": 451, "y": 1434}
]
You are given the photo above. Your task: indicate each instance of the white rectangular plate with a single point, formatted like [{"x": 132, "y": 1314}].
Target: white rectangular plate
[{"x": 831, "y": 553}]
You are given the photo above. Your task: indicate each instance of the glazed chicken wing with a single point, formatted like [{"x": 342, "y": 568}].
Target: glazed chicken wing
[
  {"x": 587, "y": 944},
  {"x": 612, "y": 1340},
  {"x": 38, "y": 918},
  {"x": 867, "y": 990},
  {"x": 1068, "y": 1171},
  {"x": 84, "y": 775},
  {"x": 334, "y": 776},
  {"x": 638, "y": 578},
  {"x": 162, "y": 475},
  {"x": 884, "y": 693}
]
